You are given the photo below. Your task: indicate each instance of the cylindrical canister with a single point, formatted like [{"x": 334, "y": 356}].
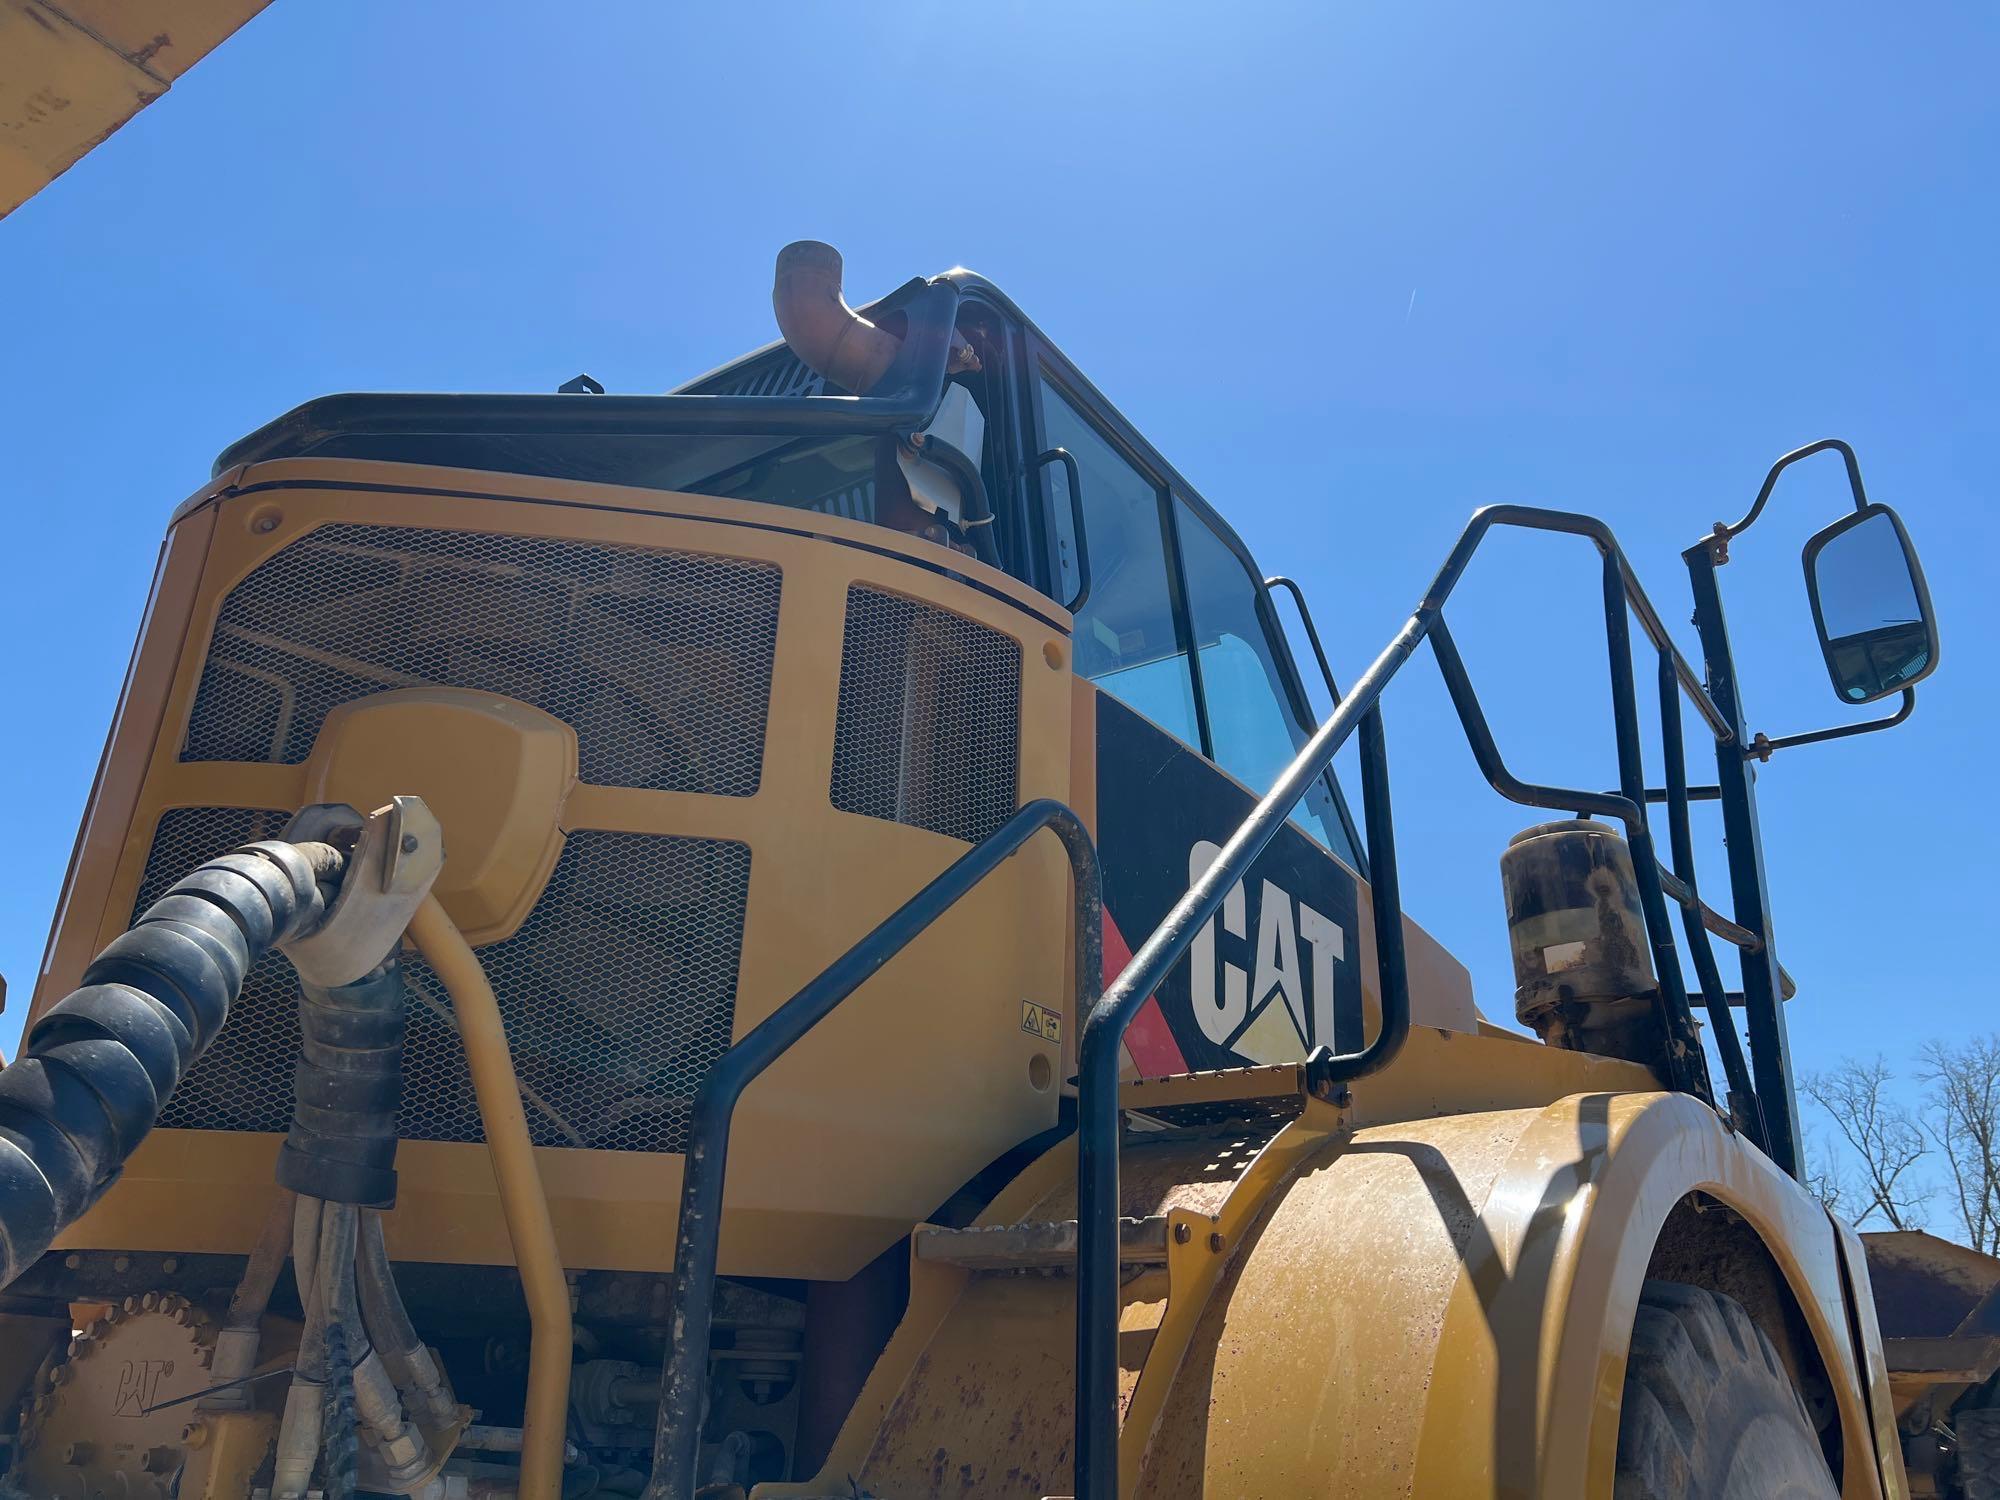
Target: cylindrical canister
[{"x": 1583, "y": 972}]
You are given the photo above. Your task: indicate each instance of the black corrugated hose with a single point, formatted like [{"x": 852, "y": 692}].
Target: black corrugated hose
[{"x": 102, "y": 1062}]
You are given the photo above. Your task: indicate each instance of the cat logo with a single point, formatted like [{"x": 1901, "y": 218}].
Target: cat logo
[
  {"x": 138, "y": 1386},
  {"x": 1256, "y": 997}
]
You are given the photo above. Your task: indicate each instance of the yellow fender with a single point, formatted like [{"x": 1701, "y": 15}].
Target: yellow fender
[
  {"x": 1444, "y": 1307},
  {"x": 1379, "y": 1297}
]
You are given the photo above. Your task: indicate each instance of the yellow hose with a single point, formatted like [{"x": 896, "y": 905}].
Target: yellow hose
[{"x": 521, "y": 1196}]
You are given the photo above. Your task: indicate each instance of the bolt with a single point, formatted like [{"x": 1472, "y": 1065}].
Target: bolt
[
  {"x": 122, "y": 1263},
  {"x": 195, "y": 1434},
  {"x": 1216, "y": 1242},
  {"x": 266, "y": 523},
  {"x": 171, "y": 1264},
  {"x": 72, "y": 1261},
  {"x": 1182, "y": 1234},
  {"x": 409, "y": 843},
  {"x": 79, "y": 1453}
]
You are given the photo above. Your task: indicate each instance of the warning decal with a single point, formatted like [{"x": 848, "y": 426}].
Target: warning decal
[{"x": 1039, "y": 1020}]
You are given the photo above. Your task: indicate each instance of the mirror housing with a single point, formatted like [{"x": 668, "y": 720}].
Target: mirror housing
[{"x": 1870, "y": 605}]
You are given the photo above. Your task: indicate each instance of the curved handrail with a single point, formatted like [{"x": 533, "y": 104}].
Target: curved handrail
[
  {"x": 677, "y": 1437},
  {"x": 1096, "y": 1440}
]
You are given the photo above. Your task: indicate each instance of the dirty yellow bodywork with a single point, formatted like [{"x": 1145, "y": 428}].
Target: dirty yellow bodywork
[
  {"x": 881, "y": 1114},
  {"x": 1424, "y": 1288},
  {"x": 1426, "y": 1291},
  {"x": 73, "y": 71}
]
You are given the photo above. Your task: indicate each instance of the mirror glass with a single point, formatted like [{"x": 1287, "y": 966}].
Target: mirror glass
[{"x": 1871, "y": 608}]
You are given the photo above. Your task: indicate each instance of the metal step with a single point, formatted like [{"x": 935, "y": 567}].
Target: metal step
[{"x": 1032, "y": 1246}]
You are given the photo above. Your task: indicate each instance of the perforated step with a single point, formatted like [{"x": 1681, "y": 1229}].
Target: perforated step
[{"x": 1036, "y": 1246}]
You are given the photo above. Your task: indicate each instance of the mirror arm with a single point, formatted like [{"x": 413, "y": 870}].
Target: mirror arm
[
  {"x": 1718, "y": 540},
  {"x": 1762, "y": 747}
]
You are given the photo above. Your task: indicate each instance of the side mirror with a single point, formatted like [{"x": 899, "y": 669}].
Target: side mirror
[{"x": 1870, "y": 605}]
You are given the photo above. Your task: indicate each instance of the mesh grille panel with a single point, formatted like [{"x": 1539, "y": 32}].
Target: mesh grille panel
[
  {"x": 619, "y": 993},
  {"x": 930, "y": 717},
  {"x": 661, "y": 661},
  {"x": 778, "y": 372}
]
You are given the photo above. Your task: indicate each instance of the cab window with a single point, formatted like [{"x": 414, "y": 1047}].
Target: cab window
[
  {"x": 1253, "y": 727},
  {"x": 1126, "y": 638}
]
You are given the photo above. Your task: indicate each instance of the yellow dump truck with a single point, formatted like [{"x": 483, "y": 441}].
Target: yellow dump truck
[{"x": 798, "y": 939}]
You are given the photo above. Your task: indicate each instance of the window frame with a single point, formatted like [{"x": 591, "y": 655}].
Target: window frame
[
  {"x": 1042, "y": 361},
  {"x": 1047, "y": 374}
]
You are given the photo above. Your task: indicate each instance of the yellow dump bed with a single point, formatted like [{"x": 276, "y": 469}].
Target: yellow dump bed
[{"x": 73, "y": 71}]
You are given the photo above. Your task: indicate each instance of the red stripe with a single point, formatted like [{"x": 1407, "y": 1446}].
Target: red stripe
[{"x": 1149, "y": 1039}]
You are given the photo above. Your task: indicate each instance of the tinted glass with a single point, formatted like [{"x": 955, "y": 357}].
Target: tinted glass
[
  {"x": 1125, "y": 638},
  {"x": 1250, "y": 716},
  {"x": 1877, "y": 639}
]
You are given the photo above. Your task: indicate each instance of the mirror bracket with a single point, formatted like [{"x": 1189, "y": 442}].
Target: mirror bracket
[
  {"x": 1718, "y": 540},
  {"x": 1761, "y": 747}
]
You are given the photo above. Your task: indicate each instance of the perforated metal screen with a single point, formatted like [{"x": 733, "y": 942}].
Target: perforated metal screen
[
  {"x": 619, "y": 993},
  {"x": 929, "y": 729},
  {"x": 661, "y": 661}
]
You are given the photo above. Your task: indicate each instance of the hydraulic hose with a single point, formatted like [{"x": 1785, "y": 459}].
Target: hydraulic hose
[
  {"x": 102, "y": 1062},
  {"x": 410, "y": 1363},
  {"x": 345, "y": 1090}
]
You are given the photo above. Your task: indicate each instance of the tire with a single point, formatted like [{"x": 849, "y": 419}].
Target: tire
[
  {"x": 1709, "y": 1412},
  {"x": 1978, "y": 1433}
]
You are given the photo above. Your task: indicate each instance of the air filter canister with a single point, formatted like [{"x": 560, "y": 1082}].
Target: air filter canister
[{"x": 1583, "y": 974}]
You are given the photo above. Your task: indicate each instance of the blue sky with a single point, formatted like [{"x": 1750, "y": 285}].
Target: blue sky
[{"x": 1357, "y": 269}]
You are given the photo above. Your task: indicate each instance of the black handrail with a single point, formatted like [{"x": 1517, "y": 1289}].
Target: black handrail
[
  {"x": 1096, "y": 1438},
  {"x": 1279, "y": 581},
  {"x": 1743, "y": 1105},
  {"x": 1076, "y": 527},
  {"x": 677, "y": 1437}
]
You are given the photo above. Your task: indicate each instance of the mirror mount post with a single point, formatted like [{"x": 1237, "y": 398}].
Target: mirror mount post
[{"x": 1736, "y": 779}]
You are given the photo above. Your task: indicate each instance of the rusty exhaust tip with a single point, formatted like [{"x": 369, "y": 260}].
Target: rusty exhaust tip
[{"x": 819, "y": 327}]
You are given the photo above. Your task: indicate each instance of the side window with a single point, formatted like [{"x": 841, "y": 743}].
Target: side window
[
  {"x": 1250, "y": 715},
  {"x": 1125, "y": 638}
]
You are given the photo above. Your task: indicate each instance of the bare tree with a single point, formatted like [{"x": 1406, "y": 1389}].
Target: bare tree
[
  {"x": 1962, "y": 1118},
  {"x": 1884, "y": 1136},
  {"x": 1826, "y": 1180}
]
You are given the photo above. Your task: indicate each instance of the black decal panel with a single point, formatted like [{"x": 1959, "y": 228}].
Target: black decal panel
[{"x": 1276, "y": 972}]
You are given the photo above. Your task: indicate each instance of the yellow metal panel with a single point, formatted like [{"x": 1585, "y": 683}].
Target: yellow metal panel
[
  {"x": 73, "y": 71},
  {"x": 495, "y": 772},
  {"x": 128, "y": 747},
  {"x": 913, "y": 1086},
  {"x": 1879, "y": 1393},
  {"x": 1407, "y": 1299},
  {"x": 165, "y": 37},
  {"x": 1525, "y": 1394}
]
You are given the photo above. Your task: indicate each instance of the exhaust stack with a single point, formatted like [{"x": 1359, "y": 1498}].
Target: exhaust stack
[
  {"x": 829, "y": 336},
  {"x": 819, "y": 326}
]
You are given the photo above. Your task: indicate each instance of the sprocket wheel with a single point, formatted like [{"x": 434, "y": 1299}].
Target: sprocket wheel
[{"x": 100, "y": 1424}]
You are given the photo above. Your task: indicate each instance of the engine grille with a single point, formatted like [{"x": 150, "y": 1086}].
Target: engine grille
[
  {"x": 661, "y": 661},
  {"x": 929, "y": 725},
  {"x": 618, "y": 991}
]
